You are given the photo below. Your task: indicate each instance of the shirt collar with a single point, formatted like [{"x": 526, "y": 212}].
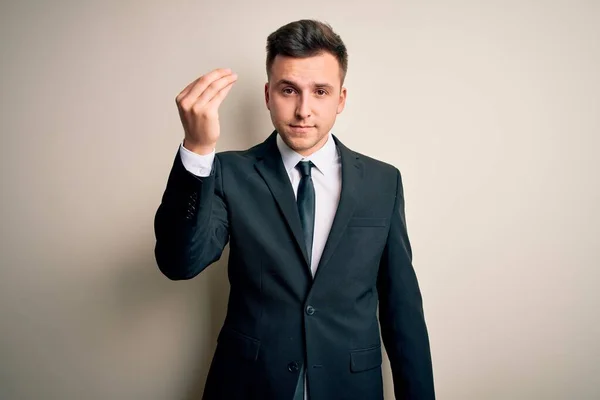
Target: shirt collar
[{"x": 323, "y": 158}]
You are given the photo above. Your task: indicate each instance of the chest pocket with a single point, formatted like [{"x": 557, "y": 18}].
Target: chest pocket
[{"x": 368, "y": 222}]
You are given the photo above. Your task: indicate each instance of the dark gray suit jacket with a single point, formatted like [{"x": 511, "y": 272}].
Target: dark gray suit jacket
[{"x": 280, "y": 319}]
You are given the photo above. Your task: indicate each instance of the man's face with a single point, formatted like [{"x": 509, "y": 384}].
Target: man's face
[{"x": 304, "y": 96}]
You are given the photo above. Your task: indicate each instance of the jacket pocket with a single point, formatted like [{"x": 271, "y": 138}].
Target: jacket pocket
[
  {"x": 365, "y": 359},
  {"x": 239, "y": 344},
  {"x": 382, "y": 222}
]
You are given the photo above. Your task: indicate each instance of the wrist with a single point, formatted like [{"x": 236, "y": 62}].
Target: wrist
[{"x": 201, "y": 149}]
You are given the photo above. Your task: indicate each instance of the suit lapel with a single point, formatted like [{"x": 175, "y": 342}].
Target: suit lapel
[
  {"x": 271, "y": 168},
  {"x": 352, "y": 175}
]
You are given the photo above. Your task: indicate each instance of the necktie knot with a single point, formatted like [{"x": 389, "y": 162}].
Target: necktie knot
[{"x": 304, "y": 167}]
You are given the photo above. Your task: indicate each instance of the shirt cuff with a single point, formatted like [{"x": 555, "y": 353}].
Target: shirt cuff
[{"x": 199, "y": 165}]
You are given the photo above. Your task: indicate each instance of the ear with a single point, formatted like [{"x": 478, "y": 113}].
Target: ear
[
  {"x": 342, "y": 100},
  {"x": 267, "y": 96}
]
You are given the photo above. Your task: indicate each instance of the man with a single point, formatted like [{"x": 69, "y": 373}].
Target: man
[{"x": 317, "y": 238}]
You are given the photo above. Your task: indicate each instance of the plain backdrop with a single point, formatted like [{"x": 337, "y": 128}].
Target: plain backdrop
[{"x": 490, "y": 109}]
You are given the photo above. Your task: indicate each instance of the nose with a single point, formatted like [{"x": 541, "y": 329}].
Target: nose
[{"x": 303, "y": 108}]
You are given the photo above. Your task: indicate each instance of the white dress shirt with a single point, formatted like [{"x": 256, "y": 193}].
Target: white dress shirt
[
  {"x": 326, "y": 176},
  {"x": 327, "y": 180}
]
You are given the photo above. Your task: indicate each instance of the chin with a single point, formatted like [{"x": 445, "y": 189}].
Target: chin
[
  {"x": 301, "y": 144},
  {"x": 294, "y": 140}
]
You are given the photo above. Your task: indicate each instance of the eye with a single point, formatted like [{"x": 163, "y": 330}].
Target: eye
[
  {"x": 288, "y": 90},
  {"x": 321, "y": 92}
]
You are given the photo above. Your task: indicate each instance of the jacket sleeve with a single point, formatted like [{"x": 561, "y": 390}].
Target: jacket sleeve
[
  {"x": 401, "y": 317},
  {"x": 190, "y": 225}
]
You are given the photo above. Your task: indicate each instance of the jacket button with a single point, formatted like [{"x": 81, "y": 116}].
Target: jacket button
[
  {"x": 310, "y": 310},
  {"x": 293, "y": 366}
]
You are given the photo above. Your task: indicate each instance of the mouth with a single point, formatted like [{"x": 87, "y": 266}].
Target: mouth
[{"x": 302, "y": 126}]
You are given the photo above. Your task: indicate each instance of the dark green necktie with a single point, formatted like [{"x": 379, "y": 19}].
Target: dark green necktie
[
  {"x": 306, "y": 204},
  {"x": 306, "y": 209}
]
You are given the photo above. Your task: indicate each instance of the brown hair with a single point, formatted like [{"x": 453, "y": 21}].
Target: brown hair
[{"x": 306, "y": 38}]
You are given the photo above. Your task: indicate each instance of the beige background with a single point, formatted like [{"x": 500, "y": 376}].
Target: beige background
[{"x": 489, "y": 108}]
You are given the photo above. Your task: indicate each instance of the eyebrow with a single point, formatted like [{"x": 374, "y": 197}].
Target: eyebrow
[{"x": 318, "y": 85}]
